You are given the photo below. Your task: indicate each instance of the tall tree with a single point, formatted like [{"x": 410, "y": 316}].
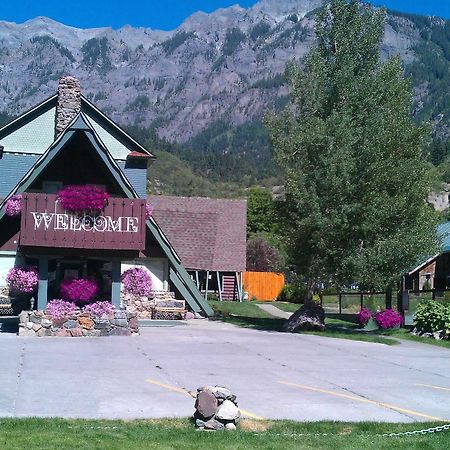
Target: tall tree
[{"x": 356, "y": 174}]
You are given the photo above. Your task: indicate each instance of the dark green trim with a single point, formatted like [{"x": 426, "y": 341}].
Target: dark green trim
[
  {"x": 43, "y": 284},
  {"x": 115, "y": 286},
  {"x": 175, "y": 263},
  {"x": 175, "y": 279}
]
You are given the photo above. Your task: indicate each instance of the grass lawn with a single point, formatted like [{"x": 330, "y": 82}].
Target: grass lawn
[
  {"x": 62, "y": 434},
  {"x": 249, "y": 315}
]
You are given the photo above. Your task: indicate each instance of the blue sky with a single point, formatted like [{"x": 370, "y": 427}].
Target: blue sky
[{"x": 162, "y": 14}]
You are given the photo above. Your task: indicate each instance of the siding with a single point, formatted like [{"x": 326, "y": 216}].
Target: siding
[
  {"x": 136, "y": 176},
  {"x": 12, "y": 168}
]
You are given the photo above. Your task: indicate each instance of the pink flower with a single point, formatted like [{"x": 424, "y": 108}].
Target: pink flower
[
  {"x": 100, "y": 309},
  {"x": 388, "y": 318},
  {"x": 148, "y": 211},
  {"x": 13, "y": 205},
  {"x": 137, "y": 281},
  {"x": 83, "y": 198},
  {"x": 79, "y": 289},
  {"x": 59, "y": 309},
  {"x": 23, "y": 281},
  {"x": 364, "y": 316}
]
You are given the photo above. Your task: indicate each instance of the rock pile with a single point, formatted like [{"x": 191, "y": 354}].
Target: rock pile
[
  {"x": 216, "y": 408},
  {"x": 38, "y": 323}
]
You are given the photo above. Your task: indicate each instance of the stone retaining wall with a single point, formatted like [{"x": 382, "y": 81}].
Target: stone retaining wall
[
  {"x": 38, "y": 323},
  {"x": 146, "y": 307}
]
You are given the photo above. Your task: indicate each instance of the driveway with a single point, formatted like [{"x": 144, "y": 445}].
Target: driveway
[{"x": 274, "y": 375}]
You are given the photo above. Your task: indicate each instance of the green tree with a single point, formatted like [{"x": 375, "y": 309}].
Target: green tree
[
  {"x": 260, "y": 212},
  {"x": 356, "y": 174}
]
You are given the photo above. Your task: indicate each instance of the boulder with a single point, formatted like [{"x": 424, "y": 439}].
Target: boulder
[
  {"x": 228, "y": 411},
  {"x": 221, "y": 392},
  {"x": 70, "y": 324},
  {"x": 310, "y": 317},
  {"x": 206, "y": 404},
  {"x": 86, "y": 322},
  {"x": 213, "y": 424},
  {"x": 230, "y": 426}
]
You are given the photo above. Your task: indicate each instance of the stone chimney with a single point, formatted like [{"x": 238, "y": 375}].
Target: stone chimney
[{"x": 69, "y": 103}]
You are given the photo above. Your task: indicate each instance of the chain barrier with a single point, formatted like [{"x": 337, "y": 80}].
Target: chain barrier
[{"x": 418, "y": 432}]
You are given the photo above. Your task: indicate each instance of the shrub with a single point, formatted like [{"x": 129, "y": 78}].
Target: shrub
[
  {"x": 79, "y": 289},
  {"x": 100, "y": 309},
  {"x": 432, "y": 316},
  {"x": 22, "y": 280},
  {"x": 364, "y": 316},
  {"x": 137, "y": 282},
  {"x": 292, "y": 293},
  {"x": 388, "y": 318},
  {"x": 60, "y": 309},
  {"x": 14, "y": 205}
]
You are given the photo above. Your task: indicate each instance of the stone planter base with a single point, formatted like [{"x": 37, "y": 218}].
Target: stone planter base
[
  {"x": 38, "y": 323},
  {"x": 161, "y": 305}
]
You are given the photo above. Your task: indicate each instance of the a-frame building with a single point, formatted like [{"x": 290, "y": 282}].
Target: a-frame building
[{"x": 63, "y": 141}]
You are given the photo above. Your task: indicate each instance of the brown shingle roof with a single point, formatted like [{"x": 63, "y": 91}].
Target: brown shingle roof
[{"x": 207, "y": 234}]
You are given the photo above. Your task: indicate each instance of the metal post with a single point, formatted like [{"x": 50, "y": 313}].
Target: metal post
[
  {"x": 241, "y": 284},
  {"x": 219, "y": 287},
  {"x": 43, "y": 283},
  {"x": 207, "y": 282},
  {"x": 197, "y": 280},
  {"x": 115, "y": 286},
  {"x": 389, "y": 298}
]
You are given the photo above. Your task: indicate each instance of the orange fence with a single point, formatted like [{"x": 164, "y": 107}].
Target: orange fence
[{"x": 264, "y": 286}]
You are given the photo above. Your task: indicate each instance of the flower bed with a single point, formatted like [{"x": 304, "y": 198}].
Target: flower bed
[
  {"x": 64, "y": 319},
  {"x": 385, "y": 319}
]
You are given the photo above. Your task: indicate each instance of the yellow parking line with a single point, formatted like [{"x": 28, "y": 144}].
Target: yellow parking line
[
  {"x": 193, "y": 395},
  {"x": 364, "y": 400},
  {"x": 250, "y": 415},
  {"x": 170, "y": 388},
  {"x": 433, "y": 387}
]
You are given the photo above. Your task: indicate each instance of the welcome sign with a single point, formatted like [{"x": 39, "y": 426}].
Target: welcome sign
[{"x": 45, "y": 223}]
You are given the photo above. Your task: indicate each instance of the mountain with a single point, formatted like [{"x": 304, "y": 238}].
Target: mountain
[{"x": 206, "y": 84}]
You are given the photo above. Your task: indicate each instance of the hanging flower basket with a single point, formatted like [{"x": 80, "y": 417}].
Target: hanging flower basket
[
  {"x": 79, "y": 199},
  {"x": 79, "y": 290},
  {"x": 13, "y": 206}
]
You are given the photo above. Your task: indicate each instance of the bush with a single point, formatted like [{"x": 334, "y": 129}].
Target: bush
[
  {"x": 388, "y": 318},
  {"x": 292, "y": 293},
  {"x": 137, "y": 282},
  {"x": 432, "y": 316},
  {"x": 22, "y": 280},
  {"x": 59, "y": 309},
  {"x": 100, "y": 309}
]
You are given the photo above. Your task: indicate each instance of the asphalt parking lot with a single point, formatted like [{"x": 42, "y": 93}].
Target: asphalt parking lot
[{"x": 274, "y": 375}]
